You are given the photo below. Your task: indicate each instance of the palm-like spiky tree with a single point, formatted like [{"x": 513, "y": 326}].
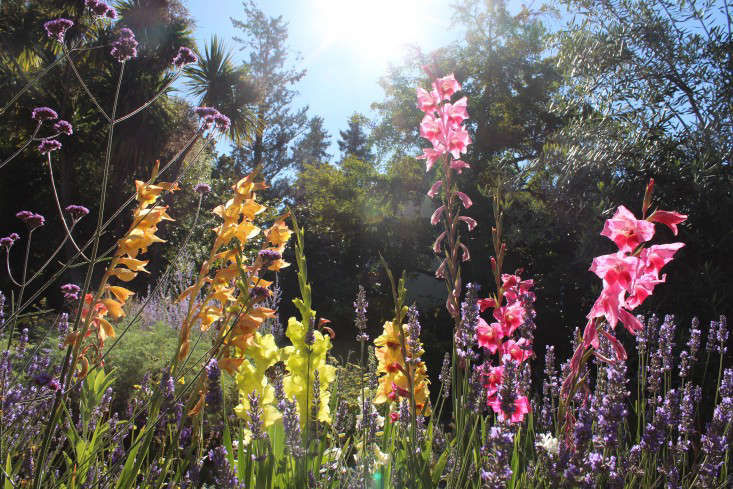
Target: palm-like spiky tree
[{"x": 218, "y": 83}]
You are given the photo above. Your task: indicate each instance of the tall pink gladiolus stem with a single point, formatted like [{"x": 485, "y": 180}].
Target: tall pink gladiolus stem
[
  {"x": 629, "y": 276},
  {"x": 442, "y": 125}
]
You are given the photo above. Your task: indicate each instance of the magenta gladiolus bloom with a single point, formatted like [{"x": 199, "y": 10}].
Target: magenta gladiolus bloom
[
  {"x": 521, "y": 407},
  {"x": 489, "y": 336},
  {"x": 626, "y": 230}
]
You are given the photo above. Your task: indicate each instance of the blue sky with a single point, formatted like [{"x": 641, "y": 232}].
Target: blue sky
[{"x": 346, "y": 45}]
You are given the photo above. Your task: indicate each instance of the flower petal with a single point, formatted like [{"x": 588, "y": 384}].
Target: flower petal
[
  {"x": 465, "y": 200},
  {"x": 434, "y": 189},
  {"x": 435, "y": 218}
]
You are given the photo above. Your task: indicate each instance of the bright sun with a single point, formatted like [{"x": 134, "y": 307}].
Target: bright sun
[{"x": 374, "y": 28}]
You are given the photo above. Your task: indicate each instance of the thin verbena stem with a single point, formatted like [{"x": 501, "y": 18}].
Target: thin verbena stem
[
  {"x": 61, "y": 212},
  {"x": 149, "y": 102},
  {"x": 72, "y": 352},
  {"x": 7, "y": 267},
  {"x": 50, "y": 258},
  {"x": 30, "y": 84},
  {"x": 22, "y": 148},
  {"x": 86, "y": 88},
  {"x": 22, "y": 283},
  {"x": 72, "y": 261}
]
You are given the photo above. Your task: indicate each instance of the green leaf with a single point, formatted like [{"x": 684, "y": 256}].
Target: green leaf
[
  {"x": 8, "y": 473},
  {"x": 439, "y": 466}
]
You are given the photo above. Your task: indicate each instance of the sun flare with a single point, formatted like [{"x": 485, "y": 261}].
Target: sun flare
[{"x": 374, "y": 28}]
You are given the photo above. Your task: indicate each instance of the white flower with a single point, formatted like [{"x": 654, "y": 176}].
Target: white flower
[{"x": 548, "y": 443}]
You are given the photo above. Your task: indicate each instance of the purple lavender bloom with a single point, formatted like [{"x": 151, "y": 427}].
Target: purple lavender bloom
[
  {"x": 213, "y": 394},
  {"x": 499, "y": 443},
  {"x": 167, "y": 386},
  {"x": 466, "y": 334},
  {"x": 42, "y": 378},
  {"x": 716, "y": 440},
  {"x": 41, "y": 114},
  {"x": 64, "y": 127},
  {"x": 721, "y": 336},
  {"x": 413, "y": 338},
  {"x": 726, "y": 384},
  {"x": 62, "y": 326},
  {"x": 202, "y": 188},
  {"x": 690, "y": 397},
  {"x": 663, "y": 418},
  {"x": 76, "y": 211},
  {"x": 476, "y": 398},
  {"x": 56, "y": 29},
  {"x": 256, "y": 414},
  {"x": 360, "y": 321},
  {"x": 31, "y": 219},
  {"x": 316, "y": 407},
  {"x": 125, "y": 47},
  {"x": 583, "y": 429},
  {"x": 184, "y": 57},
  {"x": 611, "y": 398},
  {"x": 185, "y": 439},
  {"x": 48, "y": 145},
  {"x": 258, "y": 293},
  {"x": 666, "y": 342},
  {"x": 22, "y": 341},
  {"x": 224, "y": 476},
  {"x": 291, "y": 420},
  {"x": 445, "y": 376},
  {"x": 550, "y": 388}
]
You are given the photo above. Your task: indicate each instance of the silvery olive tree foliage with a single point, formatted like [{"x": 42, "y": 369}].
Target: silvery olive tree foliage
[{"x": 648, "y": 80}]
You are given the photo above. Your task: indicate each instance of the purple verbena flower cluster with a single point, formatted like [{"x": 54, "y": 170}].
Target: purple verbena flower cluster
[
  {"x": 211, "y": 116},
  {"x": 101, "y": 9},
  {"x": 56, "y": 29},
  {"x": 125, "y": 47},
  {"x": 184, "y": 57}
]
